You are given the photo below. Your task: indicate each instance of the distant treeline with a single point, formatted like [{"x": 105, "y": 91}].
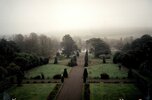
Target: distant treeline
[{"x": 37, "y": 44}]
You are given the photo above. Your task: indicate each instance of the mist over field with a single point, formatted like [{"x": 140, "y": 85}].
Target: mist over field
[{"x": 99, "y": 18}]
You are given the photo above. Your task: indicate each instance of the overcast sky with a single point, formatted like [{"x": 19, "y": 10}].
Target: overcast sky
[{"x": 73, "y": 16}]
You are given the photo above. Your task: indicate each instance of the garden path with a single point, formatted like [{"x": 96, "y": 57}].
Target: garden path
[{"x": 72, "y": 87}]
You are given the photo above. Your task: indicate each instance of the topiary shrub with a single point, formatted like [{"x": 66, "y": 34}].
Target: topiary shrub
[
  {"x": 65, "y": 73},
  {"x": 86, "y": 59},
  {"x": 42, "y": 76},
  {"x": 85, "y": 75},
  {"x": 73, "y": 62},
  {"x": 55, "y": 60},
  {"x": 57, "y": 76},
  {"x": 104, "y": 76},
  {"x": 104, "y": 60},
  {"x": 87, "y": 92}
]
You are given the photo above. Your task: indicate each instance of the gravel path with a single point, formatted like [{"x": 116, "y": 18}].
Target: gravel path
[{"x": 72, "y": 87}]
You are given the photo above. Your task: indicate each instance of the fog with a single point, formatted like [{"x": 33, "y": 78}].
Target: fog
[{"x": 76, "y": 17}]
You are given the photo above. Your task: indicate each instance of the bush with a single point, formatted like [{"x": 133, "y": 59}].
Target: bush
[
  {"x": 57, "y": 76},
  {"x": 72, "y": 62},
  {"x": 85, "y": 73},
  {"x": 55, "y": 60},
  {"x": 54, "y": 92},
  {"x": 104, "y": 76},
  {"x": 87, "y": 92},
  {"x": 117, "y": 57},
  {"x": 104, "y": 59},
  {"x": 86, "y": 59},
  {"x": 42, "y": 76},
  {"x": 27, "y": 61},
  {"x": 65, "y": 73}
]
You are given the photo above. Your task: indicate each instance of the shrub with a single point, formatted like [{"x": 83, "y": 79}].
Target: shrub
[
  {"x": 65, "y": 73},
  {"x": 62, "y": 79},
  {"x": 86, "y": 59},
  {"x": 85, "y": 73},
  {"x": 104, "y": 76},
  {"x": 104, "y": 59},
  {"x": 87, "y": 92},
  {"x": 72, "y": 62},
  {"x": 117, "y": 57},
  {"x": 42, "y": 76},
  {"x": 55, "y": 60},
  {"x": 27, "y": 61},
  {"x": 57, "y": 76},
  {"x": 27, "y": 82}
]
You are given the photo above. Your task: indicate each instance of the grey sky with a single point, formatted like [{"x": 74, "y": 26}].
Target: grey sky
[{"x": 73, "y": 16}]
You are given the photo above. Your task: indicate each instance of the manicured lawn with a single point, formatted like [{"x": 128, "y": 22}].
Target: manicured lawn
[
  {"x": 48, "y": 70},
  {"x": 111, "y": 69},
  {"x": 101, "y": 91},
  {"x": 61, "y": 61},
  {"x": 97, "y": 61},
  {"x": 64, "y": 62},
  {"x": 31, "y": 91}
]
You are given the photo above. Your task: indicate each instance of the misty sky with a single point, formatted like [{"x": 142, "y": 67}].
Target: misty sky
[{"x": 73, "y": 16}]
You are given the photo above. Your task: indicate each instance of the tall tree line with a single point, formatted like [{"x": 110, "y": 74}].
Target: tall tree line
[{"x": 37, "y": 44}]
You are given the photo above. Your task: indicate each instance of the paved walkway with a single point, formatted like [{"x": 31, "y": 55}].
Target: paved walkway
[{"x": 72, "y": 87}]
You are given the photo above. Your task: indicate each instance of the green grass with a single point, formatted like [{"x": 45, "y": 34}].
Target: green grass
[
  {"x": 31, "y": 91},
  {"x": 111, "y": 69},
  {"x": 114, "y": 92},
  {"x": 48, "y": 70},
  {"x": 64, "y": 62},
  {"x": 61, "y": 61}
]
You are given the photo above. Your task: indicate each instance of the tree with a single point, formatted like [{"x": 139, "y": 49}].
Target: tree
[
  {"x": 7, "y": 52},
  {"x": 38, "y": 44},
  {"x": 19, "y": 40},
  {"x": 77, "y": 53},
  {"x": 62, "y": 79},
  {"x": 73, "y": 62},
  {"x": 55, "y": 60},
  {"x": 68, "y": 45},
  {"x": 3, "y": 73},
  {"x": 86, "y": 59},
  {"x": 13, "y": 69},
  {"x": 104, "y": 59},
  {"x": 65, "y": 73},
  {"x": 85, "y": 73},
  {"x": 137, "y": 55},
  {"x": 42, "y": 76},
  {"x": 98, "y": 47}
]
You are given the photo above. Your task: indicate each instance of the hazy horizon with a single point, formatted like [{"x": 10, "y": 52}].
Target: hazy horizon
[{"x": 76, "y": 17}]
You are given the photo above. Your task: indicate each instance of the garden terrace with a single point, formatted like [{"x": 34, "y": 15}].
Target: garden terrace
[
  {"x": 111, "y": 69},
  {"x": 101, "y": 91},
  {"x": 31, "y": 91},
  {"x": 48, "y": 70}
]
